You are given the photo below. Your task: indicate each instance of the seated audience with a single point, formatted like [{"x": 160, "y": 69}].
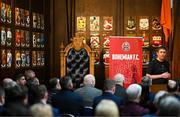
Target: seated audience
[
  {"x": 67, "y": 101},
  {"x": 88, "y": 91},
  {"x": 172, "y": 86},
  {"x": 120, "y": 90},
  {"x": 54, "y": 88},
  {"x": 132, "y": 107},
  {"x": 169, "y": 106},
  {"x": 41, "y": 110},
  {"x": 109, "y": 90},
  {"x": 146, "y": 81},
  {"x": 16, "y": 102},
  {"x": 106, "y": 108},
  {"x": 8, "y": 83},
  {"x": 29, "y": 74},
  {"x": 20, "y": 80},
  {"x": 32, "y": 85},
  {"x": 159, "y": 96},
  {"x": 40, "y": 94}
]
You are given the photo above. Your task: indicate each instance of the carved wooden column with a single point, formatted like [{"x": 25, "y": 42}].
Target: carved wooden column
[
  {"x": 62, "y": 60},
  {"x": 91, "y": 68}
]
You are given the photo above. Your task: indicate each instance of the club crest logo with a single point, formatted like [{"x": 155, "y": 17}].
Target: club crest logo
[{"x": 126, "y": 46}]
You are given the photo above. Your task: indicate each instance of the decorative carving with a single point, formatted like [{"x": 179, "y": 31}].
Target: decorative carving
[{"x": 77, "y": 43}]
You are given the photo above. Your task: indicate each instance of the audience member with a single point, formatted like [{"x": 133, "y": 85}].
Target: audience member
[
  {"x": 32, "y": 85},
  {"x": 88, "y": 91},
  {"x": 120, "y": 90},
  {"x": 41, "y": 110},
  {"x": 8, "y": 83},
  {"x": 29, "y": 74},
  {"x": 41, "y": 94},
  {"x": 20, "y": 80},
  {"x": 169, "y": 106},
  {"x": 66, "y": 100},
  {"x": 106, "y": 108},
  {"x": 159, "y": 96},
  {"x": 109, "y": 90},
  {"x": 54, "y": 88},
  {"x": 146, "y": 80},
  {"x": 16, "y": 101},
  {"x": 146, "y": 99},
  {"x": 32, "y": 82},
  {"x": 172, "y": 86},
  {"x": 132, "y": 107}
]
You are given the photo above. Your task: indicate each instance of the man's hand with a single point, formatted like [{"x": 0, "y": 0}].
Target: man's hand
[{"x": 166, "y": 75}]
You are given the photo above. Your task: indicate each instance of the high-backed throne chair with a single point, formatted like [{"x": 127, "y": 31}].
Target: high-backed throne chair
[{"x": 76, "y": 60}]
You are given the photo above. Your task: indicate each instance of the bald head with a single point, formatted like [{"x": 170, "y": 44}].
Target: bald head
[{"x": 89, "y": 80}]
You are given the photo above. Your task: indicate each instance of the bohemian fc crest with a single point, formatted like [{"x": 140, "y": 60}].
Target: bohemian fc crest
[{"x": 126, "y": 46}]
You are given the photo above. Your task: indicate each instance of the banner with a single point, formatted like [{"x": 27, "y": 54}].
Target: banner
[
  {"x": 126, "y": 58},
  {"x": 166, "y": 18}
]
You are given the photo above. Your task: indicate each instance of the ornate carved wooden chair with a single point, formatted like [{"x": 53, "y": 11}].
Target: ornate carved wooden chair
[{"x": 76, "y": 60}]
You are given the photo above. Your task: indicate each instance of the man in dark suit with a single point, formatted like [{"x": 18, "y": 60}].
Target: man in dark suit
[
  {"x": 67, "y": 101},
  {"x": 88, "y": 91},
  {"x": 120, "y": 90},
  {"x": 109, "y": 89}
]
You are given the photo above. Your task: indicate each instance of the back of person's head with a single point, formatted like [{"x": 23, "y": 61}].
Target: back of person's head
[
  {"x": 16, "y": 109},
  {"x": 119, "y": 78},
  {"x": 16, "y": 94},
  {"x": 29, "y": 74},
  {"x": 109, "y": 85},
  {"x": 106, "y": 108},
  {"x": 89, "y": 80},
  {"x": 172, "y": 86},
  {"x": 32, "y": 82},
  {"x": 169, "y": 106},
  {"x": 40, "y": 92},
  {"x": 54, "y": 83},
  {"x": 8, "y": 83},
  {"x": 146, "y": 80},
  {"x": 41, "y": 110},
  {"x": 145, "y": 93},
  {"x": 134, "y": 92},
  {"x": 159, "y": 95},
  {"x": 66, "y": 82}
]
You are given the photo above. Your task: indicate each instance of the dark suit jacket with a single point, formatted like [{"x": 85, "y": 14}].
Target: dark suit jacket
[
  {"x": 110, "y": 96},
  {"x": 68, "y": 102},
  {"x": 121, "y": 92}
]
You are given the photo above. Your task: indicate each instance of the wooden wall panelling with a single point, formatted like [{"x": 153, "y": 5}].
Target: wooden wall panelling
[
  {"x": 59, "y": 32},
  {"x": 99, "y": 8},
  {"x": 176, "y": 41}
]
